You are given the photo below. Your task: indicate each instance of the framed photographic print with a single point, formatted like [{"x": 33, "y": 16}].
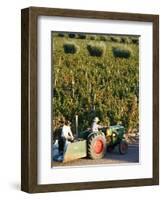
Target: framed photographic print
[{"x": 90, "y": 99}]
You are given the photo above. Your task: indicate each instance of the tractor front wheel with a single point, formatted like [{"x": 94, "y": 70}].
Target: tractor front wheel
[
  {"x": 96, "y": 146},
  {"x": 123, "y": 147},
  {"x": 110, "y": 149}
]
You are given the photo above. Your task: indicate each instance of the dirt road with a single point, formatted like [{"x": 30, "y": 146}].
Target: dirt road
[{"x": 110, "y": 158}]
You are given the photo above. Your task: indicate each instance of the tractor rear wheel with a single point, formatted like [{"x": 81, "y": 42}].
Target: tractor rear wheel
[
  {"x": 96, "y": 146},
  {"x": 123, "y": 147}
]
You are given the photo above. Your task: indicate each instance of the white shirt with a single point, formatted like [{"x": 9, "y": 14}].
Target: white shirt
[
  {"x": 95, "y": 127},
  {"x": 66, "y": 132}
]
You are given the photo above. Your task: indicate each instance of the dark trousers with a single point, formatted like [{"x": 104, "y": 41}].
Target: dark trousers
[{"x": 61, "y": 143}]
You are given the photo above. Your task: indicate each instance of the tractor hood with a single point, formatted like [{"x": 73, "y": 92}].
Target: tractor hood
[{"x": 119, "y": 129}]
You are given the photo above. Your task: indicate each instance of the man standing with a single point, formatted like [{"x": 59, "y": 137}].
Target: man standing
[{"x": 66, "y": 135}]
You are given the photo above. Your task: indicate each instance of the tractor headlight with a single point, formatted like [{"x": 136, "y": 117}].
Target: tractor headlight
[{"x": 114, "y": 134}]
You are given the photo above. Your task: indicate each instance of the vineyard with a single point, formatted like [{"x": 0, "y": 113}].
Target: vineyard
[{"x": 95, "y": 75}]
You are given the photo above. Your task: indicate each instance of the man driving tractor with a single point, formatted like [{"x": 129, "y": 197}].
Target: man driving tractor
[{"x": 95, "y": 125}]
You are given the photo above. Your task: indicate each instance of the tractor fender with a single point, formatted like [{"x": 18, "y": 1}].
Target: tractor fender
[
  {"x": 95, "y": 133},
  {"x": 90, "y": 134}
]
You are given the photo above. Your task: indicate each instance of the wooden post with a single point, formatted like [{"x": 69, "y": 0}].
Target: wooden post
[{"x": 76, "y": 126}]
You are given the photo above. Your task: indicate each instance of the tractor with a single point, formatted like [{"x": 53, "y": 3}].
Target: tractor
[
  {"x": 106, "y": 139},
  {"x": 95, "y": 144}
]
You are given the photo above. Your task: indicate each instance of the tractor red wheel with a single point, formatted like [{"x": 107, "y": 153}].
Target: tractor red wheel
[
  {"x": 123, "y": 147},
  {"x": 96, "y": 146}
]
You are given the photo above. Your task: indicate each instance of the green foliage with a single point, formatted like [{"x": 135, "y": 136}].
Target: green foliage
[
  {"x": 82, "y": 36},
  {"x": 70, "y": 48},
  {"x": 95, "y": 86},
  {"x": 135, "y": 40},
  {"x": 60, "y": 34},
  {"x": 121, "y": 52},
  {"x": 72, "y": 35},
  {"x": 125, "y": 40},
  {"x": 115, "y": 39},
  {"x": 102, "y": 38},
  {"x": 96, "y": 49},
  {"x": 92, "y": 37}
]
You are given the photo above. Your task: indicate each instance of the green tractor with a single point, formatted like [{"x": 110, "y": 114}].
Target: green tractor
[{"x": 95, "y": 144}]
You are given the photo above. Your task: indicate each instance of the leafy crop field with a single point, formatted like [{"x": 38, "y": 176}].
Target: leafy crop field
[{"x": 95, "y": 75}]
